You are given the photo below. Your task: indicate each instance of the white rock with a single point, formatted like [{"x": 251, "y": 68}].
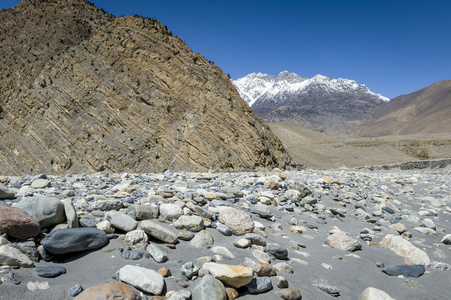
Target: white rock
[
  {"x": 144, "y": 279},
  {"x": 191, "y": 223},
  {"x": 403, "y": 247},
  {"x": 170, "y": 211},
  {"x": 105, "y": 226},
  {"x": 371, "y": 293},
  {"x": 121, "y": 221},
  {"x": 13, "y": 257},
  {"x": 136, "y": 238},
  {"x": 222, "y": 251}
]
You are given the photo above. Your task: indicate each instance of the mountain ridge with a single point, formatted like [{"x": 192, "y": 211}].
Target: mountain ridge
[
  {"x": 320, "y": 103},
  {"x": 84, "y": 91},
  {"x": 425, "y": 111}
]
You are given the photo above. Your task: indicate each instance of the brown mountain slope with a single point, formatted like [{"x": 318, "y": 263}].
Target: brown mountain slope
[
  {"x": 83, "y": 91},
  {"x": 426, "y": 111}
]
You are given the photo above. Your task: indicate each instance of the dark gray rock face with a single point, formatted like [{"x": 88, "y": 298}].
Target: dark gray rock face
[{"x": 69, "y": 240}]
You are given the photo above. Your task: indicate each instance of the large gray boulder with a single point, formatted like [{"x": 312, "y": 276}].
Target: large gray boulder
[
  {"x": 47, "y": 211},
  {"x": 62, "y": 241}
]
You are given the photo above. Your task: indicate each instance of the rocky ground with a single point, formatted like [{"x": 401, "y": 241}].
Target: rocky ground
[{"x": 353, "y": 234}]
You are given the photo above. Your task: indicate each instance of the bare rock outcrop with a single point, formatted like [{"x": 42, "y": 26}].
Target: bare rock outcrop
[{"x": 84, "y": 91}]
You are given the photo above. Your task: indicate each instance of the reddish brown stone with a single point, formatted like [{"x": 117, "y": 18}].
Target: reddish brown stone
[
  {"x": 171, "y": 246},
  {"x": 261, "y": 269},
  {"x": 165, "y": 272},
  {"x": 232, "y": 294},
  {"x": 273, "y": 184},
  {"x": 17, "y": 223},
  {"x": 110, "y": 291}
]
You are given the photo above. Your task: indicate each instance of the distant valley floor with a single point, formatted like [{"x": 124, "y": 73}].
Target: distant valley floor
[{"x": 316, "y": 150}]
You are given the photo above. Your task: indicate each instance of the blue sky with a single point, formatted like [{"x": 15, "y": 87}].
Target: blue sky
[{"x": 393, "y": 46}]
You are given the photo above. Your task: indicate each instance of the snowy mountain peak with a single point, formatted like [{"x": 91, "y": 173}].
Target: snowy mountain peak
[{"x": 259, "y": 85}]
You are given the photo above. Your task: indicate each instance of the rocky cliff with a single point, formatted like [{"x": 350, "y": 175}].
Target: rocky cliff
[{"x": 84, "y": 91}]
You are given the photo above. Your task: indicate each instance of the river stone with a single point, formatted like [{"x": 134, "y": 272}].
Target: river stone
[
  {"x": 400, "y": 228},
  {"x": 428, "y": 223},
  {"x": 136, "y": 238},
  {"x": 17, "y": 223},
  {"x": 405, "y": 270},
  {"x": 235, "y": 276},
  {"x": 189, "y": 269},
  {"x": 105, "y": 226},
  {"x": 261, "y": 256},
  {"x": 5, "y": 193},
  {"x": 289, "y": 294},
  {"x": 159, "y": 232},
  {"x": 75, "y": 290},
  {"x": 413, "y": 219},
  {"x": 224, "y": 229},
  {"x": 259, "y": 285},
  {"x": 238, "y": 221},
  {"x": 121, "y": 221},
  {"x": 277, "y": 251},
  {"x": 50, "y": 271},
  {"x": 191, "y": 223},
  {"x": 106, "y": 205},
  {"x": 142, "y": 212},
  {"x": 446, "y": 239},
  {"x": 202, "y": 239},
  {"x": 170, "y": 211},
  {"x": 402, "y": 247},
  {"x": 69, "y": 240},
  {"x": 371, "y": 293},
  {"x": 47, "y": 211},
  {"x": 209, "y": 288},
  {"x": 242, "y": 243},
  {"x": 111, "y": 290},
  {"x": 13, "y": 257},
  {"x": 261, "y": 269},
  {"x": 71, "y": 214},
  {"x": 40, "y": 183},
  {"x": 341, "y": 240},
  {"x": 222, "y": 251},
  {"x": 142, "y": 278},
  {"x": 255, "y": 239},
  {"x": 157, "y": 254},
  {"x": 283, "y": 267}
]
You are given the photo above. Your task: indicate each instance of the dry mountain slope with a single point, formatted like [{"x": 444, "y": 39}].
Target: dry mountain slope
[
  {"x": 83, "y": 91},
  {"x": 427, "y": 111}
]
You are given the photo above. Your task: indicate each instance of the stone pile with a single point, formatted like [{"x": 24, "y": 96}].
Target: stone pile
[{"x": 227, "y": 235}]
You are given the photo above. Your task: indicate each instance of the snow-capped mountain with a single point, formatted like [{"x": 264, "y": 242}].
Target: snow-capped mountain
[
  {"x": 320, "y": 103},
  {"x": 257, "y": 85}
]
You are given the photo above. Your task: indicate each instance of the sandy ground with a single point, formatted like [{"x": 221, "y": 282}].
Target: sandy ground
[{"x": 318, "y": 151}]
